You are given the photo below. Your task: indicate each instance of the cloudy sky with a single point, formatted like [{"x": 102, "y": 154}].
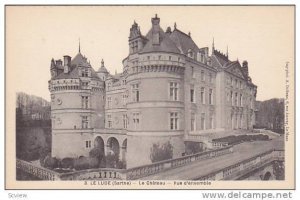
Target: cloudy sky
[{"x": 264, "y": 36}]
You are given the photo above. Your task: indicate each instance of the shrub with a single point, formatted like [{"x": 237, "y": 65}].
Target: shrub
[
  {"x": 51, "y": 162},
  {"x": 111, "y": 160},
  {"x": 43, "y": 152},
  {"x": 96, "y": 153},
  {"x": 82, "y": 163},
  {"x": 67, "y": 163},
  {"x": 193, "y": 147},
  {"x": 121, "y": 165},
  {"x": 163, "y": 152}
]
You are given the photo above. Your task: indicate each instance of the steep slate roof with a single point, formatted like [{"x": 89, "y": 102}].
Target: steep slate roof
[
  {"x": 166, "y": 44},
  {"x": 236, "y": 64},
  {"x": 183, "y": 41},
  {"x": 78, "y": 60},
  {"x": 220, "y": 58}
]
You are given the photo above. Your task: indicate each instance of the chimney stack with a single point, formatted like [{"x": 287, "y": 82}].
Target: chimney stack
[
  {"x": 67, "y": 63},
  {"x": 155, "y": 30},
  {"x": 245, "y": 68}
]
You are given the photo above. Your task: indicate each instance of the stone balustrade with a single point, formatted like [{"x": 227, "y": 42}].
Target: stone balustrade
[
  {"x": 247, "y": 165},
  {"x": 226, "y": 173},
  {"x": 146, "y": 170},
  {"x": 37, "y": 171}
]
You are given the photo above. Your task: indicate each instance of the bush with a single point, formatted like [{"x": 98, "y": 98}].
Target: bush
[
  {"x": 67, "y": 163},
  {"x": 86, "y": 163},
  {"x": 43, "y": 153},
  {"x": 51, "y": 162},
  {"x": 111, "y": 160},
  {"x": 163, "y": 152},
  {"x": 96, "y": 153},
  {"x": 193, "y": 147},
  {"x": 81, "y": 163},
  {"x": 121, "y": 165}
]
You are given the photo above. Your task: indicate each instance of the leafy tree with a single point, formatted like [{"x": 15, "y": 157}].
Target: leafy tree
[
  {"x": 67, "y": 163},
  {"x": 111, "y": 160},
  {"x": 278, "y": 170},
  {"x": 161, "y": 152},
  {"x": 51, "y": 162}
]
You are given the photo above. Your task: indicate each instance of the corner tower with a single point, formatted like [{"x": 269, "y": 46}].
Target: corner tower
[
  {"x": 155, "y": 104},
  {"x": 77, "y": 106}
]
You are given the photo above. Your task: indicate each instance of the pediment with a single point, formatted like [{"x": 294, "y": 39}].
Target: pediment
[{"x": 237, "y": 71}]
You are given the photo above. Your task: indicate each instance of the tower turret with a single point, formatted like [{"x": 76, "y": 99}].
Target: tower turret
[
  {"x": 102, "y": 71},
  {"x": 136, "y": 39}
]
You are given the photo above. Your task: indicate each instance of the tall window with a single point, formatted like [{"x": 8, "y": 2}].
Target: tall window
[
  {"x": 193, "y": 122},
  {"x": 109, "y": 121},
  {"x": 202, "y": 75},
  {"x": 202, "y": 95},
  {"x": 108, "y": 102},
  {"x": 231, "y": 81},
  {"x": 124, "y": 97},
  {"x": 174, "y": 91},
  {"x": 192, "y": 71},
  {"x": 211, "y": 122},
  {"x": 241, "y": 100},
  {"x": 125, "y": 121},
  {"x": 210, "y": 97},
  {"x": 84, "y": 122},
  {"x": 202, "y": 58},
  {"x": 88, "y": 144},
  {"x": 210, "y": 78},
  {"x": 136, "y": 120},
  {"x": 135, "y": 93},
  {"x": 174, "y": 121},
  {"x": 231, "y": 96},
  {"x": 84, "y": 101},
  {"x": 236, "y": 99},
  {"x": 202, "y": 125},
  {"x": 108, "y": 86},
  {"x": 192, "y": 94}
]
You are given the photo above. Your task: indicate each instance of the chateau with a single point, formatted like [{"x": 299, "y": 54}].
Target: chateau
[{"x": 170, "y": 90}]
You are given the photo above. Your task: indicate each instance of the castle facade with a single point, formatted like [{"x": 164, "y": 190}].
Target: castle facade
[{"x": 170, "y": 91}]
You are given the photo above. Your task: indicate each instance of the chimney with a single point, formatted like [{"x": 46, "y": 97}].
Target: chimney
[
  {"x": 155, "y": 30},
  {"x": 245, "y": 67},
  {"x": 59, "y": 62},
  {"x": 67, "y": 63}
]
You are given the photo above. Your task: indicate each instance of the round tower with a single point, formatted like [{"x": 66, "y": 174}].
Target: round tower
[
  {"x": 77, "y": 107},
  {"x": 155, "y": 104}
]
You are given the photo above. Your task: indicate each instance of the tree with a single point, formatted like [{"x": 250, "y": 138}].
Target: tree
[
  {"x": 278, "y": 170},
  {"x": 51, "y": 162},
  {"x": 67, "y": 163},
  {"x": 161, "y": 152}
]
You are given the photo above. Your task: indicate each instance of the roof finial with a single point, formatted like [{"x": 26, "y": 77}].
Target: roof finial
[
  {"x": 227, "y": 52},
  {"x": 189, "y": 34},
  {"x": 79, "y": 46},
  {"x": 102, "y": 63},
  {"x": 175, "y": 25},
  {"x": 213, "y": 45},
  {"x": 155, "y": 15}
]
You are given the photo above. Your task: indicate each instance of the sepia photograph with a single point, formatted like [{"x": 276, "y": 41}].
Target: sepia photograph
[{"x": 150, "y": 97}]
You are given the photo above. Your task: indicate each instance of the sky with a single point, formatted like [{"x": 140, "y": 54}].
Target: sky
[{"x": 264, "y": 36}]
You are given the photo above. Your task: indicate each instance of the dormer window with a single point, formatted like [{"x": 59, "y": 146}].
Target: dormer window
[
  {"x": 85, "y": 73},
  {"x": 190, "y": 53}
]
